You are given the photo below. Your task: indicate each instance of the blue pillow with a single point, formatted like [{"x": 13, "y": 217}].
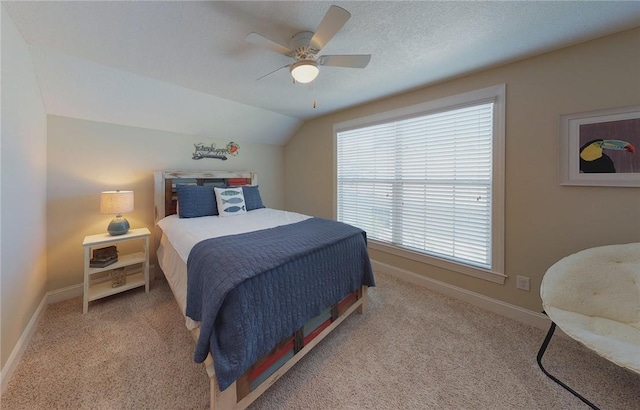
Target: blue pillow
[
  {"x": 195, "y": 201},
  {"x": 252, "y": 198}
]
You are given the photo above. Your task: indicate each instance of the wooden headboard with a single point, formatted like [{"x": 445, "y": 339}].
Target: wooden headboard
[{"x": 165, "y": 198}]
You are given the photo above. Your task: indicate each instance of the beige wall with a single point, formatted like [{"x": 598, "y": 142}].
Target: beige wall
[
  {"x": 544, "y": 221},
  {"x": 23, "y": 204},
  {"x": 86, "y": 157}
]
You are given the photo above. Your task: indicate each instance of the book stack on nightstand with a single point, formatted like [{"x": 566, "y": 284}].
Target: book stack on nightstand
[{"x": 105, "y": 258}]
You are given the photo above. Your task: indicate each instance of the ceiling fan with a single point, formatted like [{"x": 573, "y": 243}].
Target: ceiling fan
[{"x": 305, "y": 46}]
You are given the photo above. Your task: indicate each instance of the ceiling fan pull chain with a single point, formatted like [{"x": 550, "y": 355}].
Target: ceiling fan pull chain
[{"x": 315, "y": 84}]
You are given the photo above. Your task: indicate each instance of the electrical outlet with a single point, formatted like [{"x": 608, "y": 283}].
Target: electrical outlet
[{"x": 522, "y": 282}]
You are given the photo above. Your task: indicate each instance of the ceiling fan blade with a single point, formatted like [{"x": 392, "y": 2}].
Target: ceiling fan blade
[
  {"x": 260, "y": 78},
  {"x": 349, "y": 61},
  {"x": 331, "y": 23},
  {"x": 262, "y": 41}
]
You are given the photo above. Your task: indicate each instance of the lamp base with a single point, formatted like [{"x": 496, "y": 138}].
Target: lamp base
[{"x": 118, "y": 226}]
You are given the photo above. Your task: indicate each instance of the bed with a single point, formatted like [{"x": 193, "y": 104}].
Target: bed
[{"x": 259, "y": 288}]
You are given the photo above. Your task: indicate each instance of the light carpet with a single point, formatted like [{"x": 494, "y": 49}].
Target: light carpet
[{"x": 412, "y": 349}]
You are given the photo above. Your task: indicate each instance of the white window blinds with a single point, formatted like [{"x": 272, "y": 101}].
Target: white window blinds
[{"x": 422, "y": 183}]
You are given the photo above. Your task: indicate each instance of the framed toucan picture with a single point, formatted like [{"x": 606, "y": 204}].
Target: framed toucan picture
[{"x": 601, "y": 148}]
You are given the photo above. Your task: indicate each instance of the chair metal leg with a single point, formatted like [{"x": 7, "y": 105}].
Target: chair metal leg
[{"x": 543, "y": 348}]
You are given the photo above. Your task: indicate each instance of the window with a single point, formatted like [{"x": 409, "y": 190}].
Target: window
[{"x": 426, "y": 181}]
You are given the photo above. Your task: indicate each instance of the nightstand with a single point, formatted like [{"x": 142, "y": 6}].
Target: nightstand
[{"x": 104, "y": 288}]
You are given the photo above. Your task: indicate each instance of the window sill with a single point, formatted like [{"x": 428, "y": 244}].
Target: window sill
[{"x": 441, "y": 263}]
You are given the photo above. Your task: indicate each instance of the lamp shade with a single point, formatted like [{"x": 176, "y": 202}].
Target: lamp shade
[
  {"x": 116, "y": 202},
  {"x": 304, "y": 71}
]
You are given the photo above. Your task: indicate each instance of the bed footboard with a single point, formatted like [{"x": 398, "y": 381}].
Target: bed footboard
[{"x": 287, "y": 353}]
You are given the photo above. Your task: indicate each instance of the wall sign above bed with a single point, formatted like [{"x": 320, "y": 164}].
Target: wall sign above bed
[{"x": 210, "y": 151}]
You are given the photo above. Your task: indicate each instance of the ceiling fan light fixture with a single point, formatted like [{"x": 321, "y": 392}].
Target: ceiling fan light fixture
[{"x": 304, "y": 71}]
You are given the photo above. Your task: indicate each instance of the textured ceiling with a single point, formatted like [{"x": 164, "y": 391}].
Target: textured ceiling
[{"x": 185, "y": 66}]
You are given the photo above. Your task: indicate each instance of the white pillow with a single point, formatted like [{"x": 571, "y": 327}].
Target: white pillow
[{"x": 230, "y": 201}]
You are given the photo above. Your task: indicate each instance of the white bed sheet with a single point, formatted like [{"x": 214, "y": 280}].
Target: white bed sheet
[
  {"x": 175, "y": 271},
  {"x": 184, "y": 233},
  {"x": 180, "y": 235}
]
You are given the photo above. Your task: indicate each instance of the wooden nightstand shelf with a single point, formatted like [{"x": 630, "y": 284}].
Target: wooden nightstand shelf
[{"x": 100, "y": 290}]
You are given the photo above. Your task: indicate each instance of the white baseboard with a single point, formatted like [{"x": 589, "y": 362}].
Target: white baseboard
[
  {"x": 69, "y": 292},
  {"x": 514, "y": 312},
  {"x": 21, "y": 346}
]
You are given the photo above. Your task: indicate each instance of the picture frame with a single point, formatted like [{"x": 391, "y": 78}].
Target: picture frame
[{"x": 601, "y": 148}]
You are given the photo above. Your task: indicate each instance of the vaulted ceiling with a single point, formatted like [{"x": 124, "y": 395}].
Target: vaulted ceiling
[{"x": 185, "y": 66}]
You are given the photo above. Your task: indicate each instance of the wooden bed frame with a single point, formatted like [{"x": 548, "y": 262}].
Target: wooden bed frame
[{"x": 239, "y": 395}]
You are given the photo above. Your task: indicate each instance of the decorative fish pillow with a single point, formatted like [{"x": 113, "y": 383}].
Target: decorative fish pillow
[{"x": 230, "y": 201}]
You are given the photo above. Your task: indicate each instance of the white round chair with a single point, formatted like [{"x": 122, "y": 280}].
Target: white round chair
[{"x": 594, "y": 297}]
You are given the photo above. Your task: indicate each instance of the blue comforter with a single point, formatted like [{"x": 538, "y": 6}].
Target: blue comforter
[{"x": 251, "y": 290}]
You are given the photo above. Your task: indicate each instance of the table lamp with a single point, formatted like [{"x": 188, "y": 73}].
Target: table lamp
[{"x": 118, "y": 203}]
